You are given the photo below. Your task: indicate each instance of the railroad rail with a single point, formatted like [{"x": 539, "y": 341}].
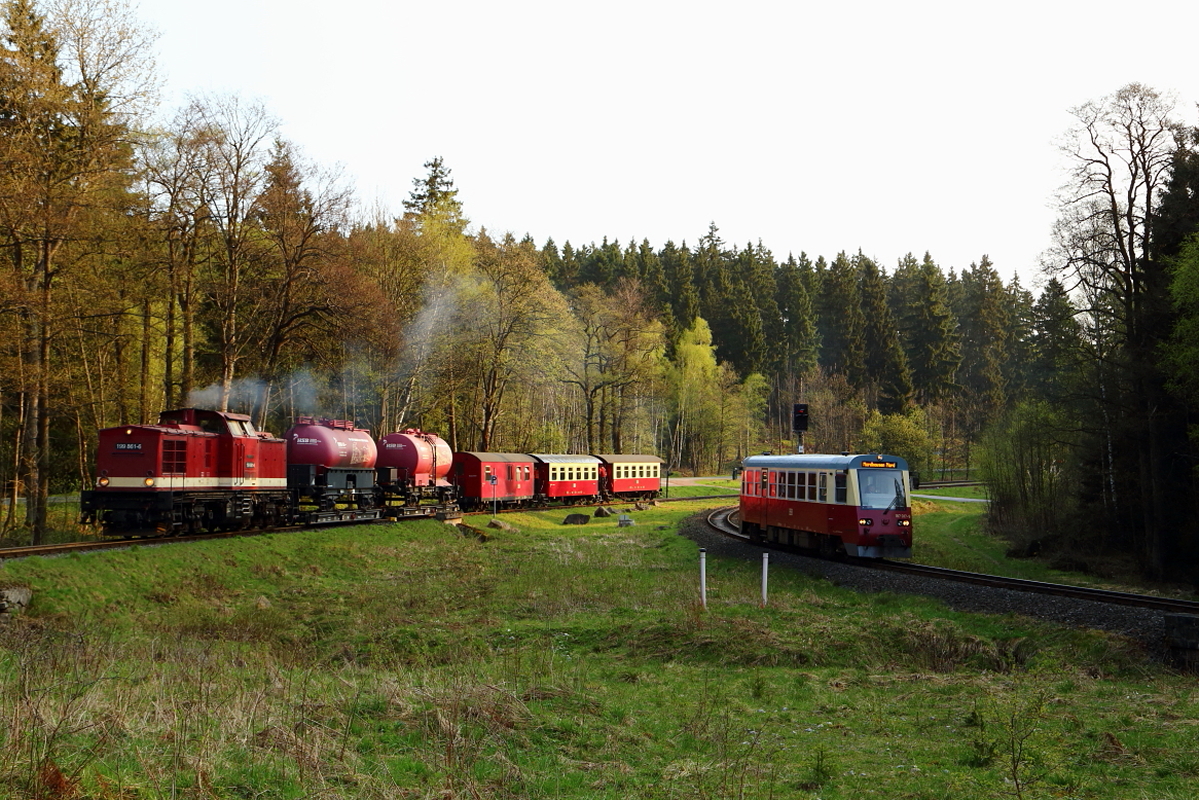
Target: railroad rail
[
  {"x": 722, "y": 520},
  {"x": 114, "y": 544}
]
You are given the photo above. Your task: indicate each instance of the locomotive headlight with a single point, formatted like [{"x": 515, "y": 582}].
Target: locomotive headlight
[
  {"x": 129, "y": 431},
  {"x": 102, "y": 482},
  {"x": 148, "y": 481}
]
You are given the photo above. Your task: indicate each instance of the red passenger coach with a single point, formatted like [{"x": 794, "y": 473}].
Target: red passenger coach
[
  {"x": 193, "y": 470},
  {"x": 473, "y": 474},
  {"x": 630, "y": 477},
  {"x": 566, "y": 478},
  {"x": 852, "y": 504}
]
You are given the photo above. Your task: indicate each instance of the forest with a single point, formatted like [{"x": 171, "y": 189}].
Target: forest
[{"x": 206, "y": 261}]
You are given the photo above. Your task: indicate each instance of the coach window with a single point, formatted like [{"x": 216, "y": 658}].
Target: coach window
[
  {"x": 822, "y": 487},
  {"x": 486, "y": 472},
  {"x": 840, "y": 497}
]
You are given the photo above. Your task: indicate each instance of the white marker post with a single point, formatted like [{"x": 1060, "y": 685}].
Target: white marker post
[
  {"x": 703, "y": 576},
  {"x": 765, "y": 570}
]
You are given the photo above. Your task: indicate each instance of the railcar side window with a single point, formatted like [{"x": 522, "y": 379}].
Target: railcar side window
[
  {"x": 811, "y": 485},
  {"x": 823, "y": 486},
  {"x": 840, "y": 495}
]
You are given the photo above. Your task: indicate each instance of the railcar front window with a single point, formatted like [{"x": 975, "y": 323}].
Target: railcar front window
[{"x": 881, "y": 488}]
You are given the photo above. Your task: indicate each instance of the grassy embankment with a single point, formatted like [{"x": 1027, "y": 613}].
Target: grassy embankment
[{"x": 556, "y": 662}]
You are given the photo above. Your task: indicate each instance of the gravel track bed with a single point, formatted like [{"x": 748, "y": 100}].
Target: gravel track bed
[{"x": 1147, "y": 626}]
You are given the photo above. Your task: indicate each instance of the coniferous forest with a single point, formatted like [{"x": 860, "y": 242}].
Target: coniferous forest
[{"x": 205, "y": 261}]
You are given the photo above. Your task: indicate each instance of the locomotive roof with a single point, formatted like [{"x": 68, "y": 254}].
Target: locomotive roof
[
  {"x": 824, "y": 461},
  {"x": 628, "y": 459},
  {"x": 554, "y": 458}
]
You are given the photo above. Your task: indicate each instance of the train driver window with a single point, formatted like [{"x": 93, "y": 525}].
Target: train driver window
[{"x": 840, "y": 480}]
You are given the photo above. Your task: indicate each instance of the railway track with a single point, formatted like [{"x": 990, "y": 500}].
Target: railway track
[
  {"x": 723, "y": 521},
  {"x": 115, "y": 544}
]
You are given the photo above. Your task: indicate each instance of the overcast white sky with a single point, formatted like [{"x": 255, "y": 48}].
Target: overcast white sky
[{"x": 812, "y": 126}]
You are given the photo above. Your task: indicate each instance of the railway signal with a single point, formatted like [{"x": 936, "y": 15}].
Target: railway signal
[{"x": 799, "y": 423}]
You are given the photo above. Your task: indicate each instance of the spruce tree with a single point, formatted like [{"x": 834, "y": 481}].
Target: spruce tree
[
  {"x": 886, "y": 364},
  {"x": 928, "y": 328},
  {"x": 842, "y": 324}
]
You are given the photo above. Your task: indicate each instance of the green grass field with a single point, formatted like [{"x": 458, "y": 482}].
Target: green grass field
[{"x": 413, "y": 661}]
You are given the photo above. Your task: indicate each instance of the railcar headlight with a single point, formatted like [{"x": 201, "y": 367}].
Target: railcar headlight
[
  {"x": 903, "y": 523},
  {"x": 102, "y": 482},
  {"x": 866, "y": 522},
  {"x": 148, "y": 481}
]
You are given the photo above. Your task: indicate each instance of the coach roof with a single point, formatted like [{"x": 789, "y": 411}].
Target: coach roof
[{"x": 825, "y": 461}]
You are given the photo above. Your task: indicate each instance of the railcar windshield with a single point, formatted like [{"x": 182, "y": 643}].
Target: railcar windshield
[{"x": 881, "y": 488}]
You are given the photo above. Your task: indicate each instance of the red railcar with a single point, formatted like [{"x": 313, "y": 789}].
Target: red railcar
[
  {"x": 193, "y": 470},
  {"x": 853, "y": 504},
  {"x": 502, "y": 479},
  {"x": 630, "y": 477},
  {"x": 566, "y": 478}
]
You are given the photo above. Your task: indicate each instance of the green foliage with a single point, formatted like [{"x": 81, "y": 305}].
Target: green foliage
[
  {"x": 1182, "y": 352},
  {"x": 1027, "y": 462},
  {"x": 904, "y": 435}
]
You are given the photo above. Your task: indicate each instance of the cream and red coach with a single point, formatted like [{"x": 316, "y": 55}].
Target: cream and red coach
[
  {"x": 630, "y": 477},
  {"x": 833, "y": 503},
  {"x": 193, "y": 470}
]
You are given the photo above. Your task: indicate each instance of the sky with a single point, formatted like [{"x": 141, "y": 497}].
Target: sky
[{"x": 885, "y": 127}]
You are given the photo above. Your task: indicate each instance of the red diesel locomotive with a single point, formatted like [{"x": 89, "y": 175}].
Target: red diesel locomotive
[
  {"x": 856, "y": 505},
  {"x": 194, "y": 470}
]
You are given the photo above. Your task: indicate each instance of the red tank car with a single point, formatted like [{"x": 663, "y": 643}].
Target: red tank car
[
  {"x": 413, "y": 466},
  {"x": 194, "y": 470},
  {"x": 331, "y": 469},
  {"x": 424, "y": 458},
  {"x": 836, "y": 504},
  {"x": 330, "y": 444}
]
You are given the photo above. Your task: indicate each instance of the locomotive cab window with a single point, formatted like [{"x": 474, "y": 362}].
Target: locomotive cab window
[
  {"x": 174, "y": 457},
  {"x": 881, "y": 488}
]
